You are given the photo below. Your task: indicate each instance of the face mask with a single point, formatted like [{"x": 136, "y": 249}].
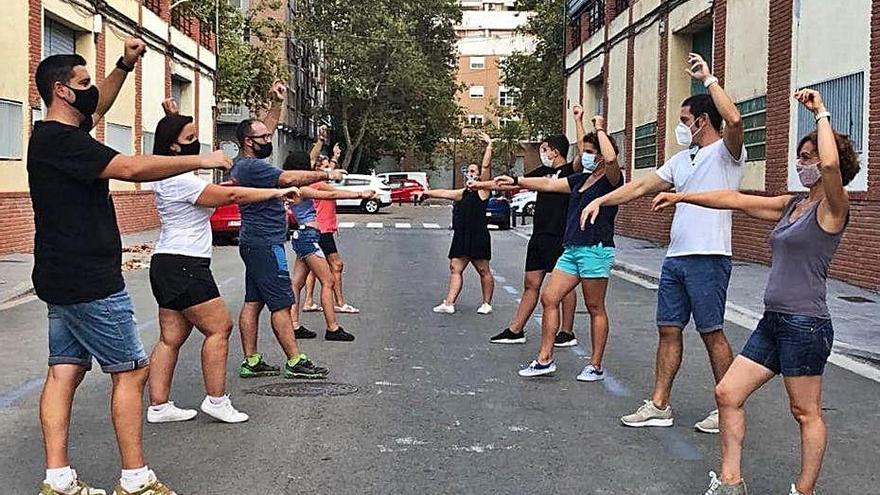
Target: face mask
[
  {"x": 588, "y": 160},
  {"x": 683, "y": 135},
  {"x": 809, "y": 174},
  {"x": 264, "y": 150},
  {"x": 193, "y": 148},
  {"x": 86, "y": 101},
  {"x": 545, "y": 160}
]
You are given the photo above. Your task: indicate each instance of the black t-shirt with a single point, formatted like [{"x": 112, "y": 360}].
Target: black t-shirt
[
  {"x": 77, "y": 248},
  {"x": 550, "y": 208}
]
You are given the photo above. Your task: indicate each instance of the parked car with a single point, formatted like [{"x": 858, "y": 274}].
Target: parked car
[
  {"x": 523, "y": 203},
  {"x": 357, "y": 182},
  {"x": 402, "y": 190},
  {"x": 226, "y": 221},
  {"x": 498, "y": 211},
  {"x": 420, "y": 177}
]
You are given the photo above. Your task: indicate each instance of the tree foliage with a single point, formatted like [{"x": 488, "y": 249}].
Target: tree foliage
[
  {"x": 391, "y": 71},
  {"x": 537, "y": 76}
]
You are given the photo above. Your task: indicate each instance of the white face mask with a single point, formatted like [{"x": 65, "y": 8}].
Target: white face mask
[
  {"x": 545, "y": 160},
  {"x": 588, "y": 160},
  {"x": 683, "y": 135}
]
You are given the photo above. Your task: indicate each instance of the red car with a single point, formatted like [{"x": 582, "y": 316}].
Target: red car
[
  {"x": 226, "y": 221},
  {"x": 402, "y": 190}
]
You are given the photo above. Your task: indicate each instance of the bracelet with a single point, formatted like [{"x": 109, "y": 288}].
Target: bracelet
[
  {"x": 516, "y": 181},
  {"x": 822, "y": 115},
  {"x": 121, "y": 65},
  {"x": 710, "y": 81}
]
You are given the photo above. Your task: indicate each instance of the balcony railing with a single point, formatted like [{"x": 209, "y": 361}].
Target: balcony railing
[{"x": 154, "y": 5}]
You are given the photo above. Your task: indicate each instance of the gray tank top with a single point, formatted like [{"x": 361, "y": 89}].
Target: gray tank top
[{"x": 801, "y": 253}]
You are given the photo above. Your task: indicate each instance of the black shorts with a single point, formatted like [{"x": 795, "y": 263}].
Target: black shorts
[
  {"x": 543, "y": 252},
  {"x": 327, "y": 241},
  {"x": 180, "y": 282}
]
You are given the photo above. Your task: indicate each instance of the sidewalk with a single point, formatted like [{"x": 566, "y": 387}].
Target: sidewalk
[
  {"x": 15, "y": 269},
  {"x": 856, "y": 331}
]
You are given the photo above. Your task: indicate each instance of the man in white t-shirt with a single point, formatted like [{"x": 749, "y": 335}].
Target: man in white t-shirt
[{"x": 696, "y": 271}]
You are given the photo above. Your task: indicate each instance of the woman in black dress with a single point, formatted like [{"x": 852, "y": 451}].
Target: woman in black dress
[{"x": 471, "y": 243}]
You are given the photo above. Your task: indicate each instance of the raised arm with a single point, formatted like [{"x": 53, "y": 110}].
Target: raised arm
[
  {"x": 733, "y": 127},
  {"x": 609, "y": 156},
  {"x": 579, "y": 131},
  {"x": 450, "y": 194},
  {"x": 762, "y": 207},
  {"x": 486, "y": 167},
  {"x": 109, "y": 88},
  {"x": 315, "y": 152},
  {"x": 148, "y": 168},
  {"x": 540, "y": 184},
  {"x": 649, "y": 184},
  {"x": 214, "y": 195},
  {"x": 273, "y": 115},
  {"x": 305, "y": 177}
]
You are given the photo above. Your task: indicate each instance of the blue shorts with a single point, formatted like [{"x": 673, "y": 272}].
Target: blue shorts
[
  {"x": 104, "y": 329},
  {"x": 266, "y": 276},
  {"x": 306, "y": 241},
  {"x": 793, "y": 345},
  {"x": 693, "y": 285},
  {"x": 586, "y": 261}
]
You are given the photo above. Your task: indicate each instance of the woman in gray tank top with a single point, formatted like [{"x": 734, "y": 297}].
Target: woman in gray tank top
[{"x": 794, "y": 337}]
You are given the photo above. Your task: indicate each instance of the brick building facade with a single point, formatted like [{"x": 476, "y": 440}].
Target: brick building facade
[{"x": 620, "y": 53}]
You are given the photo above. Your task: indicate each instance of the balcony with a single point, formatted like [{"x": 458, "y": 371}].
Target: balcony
[{"x": 154, "y": 5}]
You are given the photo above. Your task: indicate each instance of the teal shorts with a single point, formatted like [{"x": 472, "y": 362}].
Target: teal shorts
[{"x": 587, "y": 261}]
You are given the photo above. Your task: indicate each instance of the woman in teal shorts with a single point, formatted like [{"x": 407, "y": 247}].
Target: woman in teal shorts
[{"x": 589, "y": 252}]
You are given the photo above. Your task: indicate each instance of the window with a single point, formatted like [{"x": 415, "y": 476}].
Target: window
[
  {"x": 10, "y": 131},
  {"x": 499, "y": 61},
  {"x": 176, "y": 89},
  {"x": 620, "y": 6},
  {"x": 36, "y": 116},
  {"x": 754, "y": 118},
  {"x": 477, "y": 91},
  {"x": 475, "y": 120},
  {"x": 620, "y": 138},
  {"x": 702, "y": 45},
  {"x": 574, "y": 31},
  {"x": 595, "y": 16},
  {"x": 646, "y": 146},
  {"x": 155, "y": 6},
  {"x": 148, "y": 139},
  {"x": 119, "y": 138},
  {"x": 228, "y": 109},
  {"x": 58, "y": 39},
  {"x": 478, "y": 62},
  {"x": 356, "y": 182},
  {"x": 506, "y": 97},
  {"x": 205, "y": 148},
  {"x": 845, "y": 99}
]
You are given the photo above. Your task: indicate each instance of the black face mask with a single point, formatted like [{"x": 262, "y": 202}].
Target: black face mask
[
  {"x": 264, "y": 150},
  {"x": 86, "y": 101},
  {"x": 193, "y": 148}
]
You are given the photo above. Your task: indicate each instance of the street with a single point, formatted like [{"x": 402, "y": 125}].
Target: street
[{"x": 437, "y": 408}]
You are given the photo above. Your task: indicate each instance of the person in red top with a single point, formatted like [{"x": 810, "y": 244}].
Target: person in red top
[{"x": 327, "y": 224}]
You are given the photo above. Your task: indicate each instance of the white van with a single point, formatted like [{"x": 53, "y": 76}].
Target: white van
[{"x": 420, "y": 177}]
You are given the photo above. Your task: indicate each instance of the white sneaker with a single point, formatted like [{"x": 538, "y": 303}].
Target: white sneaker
[
  {"x": 710, "y": 424},
  {"x": 591, "y": 374},
  {"x": 169, "y": 413},
  {"x": 538, "y": 369},
  {"x": 223, "y": 411},
  {"x": 794, "y": 491},
  {"x": 444, "y": 307},
  {"x": 485, "y": 309}
]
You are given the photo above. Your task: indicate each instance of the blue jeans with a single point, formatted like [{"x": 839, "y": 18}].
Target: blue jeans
[
  {"x": 266, "y": 276},
  {"x": 104, "y": 329},
  {"x": 306, "y": 242},
  {"x": 794, "y": 345},
  {"x": 693, "y": 285}
]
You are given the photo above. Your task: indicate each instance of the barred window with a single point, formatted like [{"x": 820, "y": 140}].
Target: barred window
[
  {"x": 845, "y": 99},
  {"x": 646, "y": 146},
  {"x": 10, "y": 131},
  {"x": 754, "y": 118},
  {"x": 595, "y": 16}
]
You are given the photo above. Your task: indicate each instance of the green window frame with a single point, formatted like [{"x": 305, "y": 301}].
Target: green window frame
[
  {"x": 645, "y": 148},
  {"x": 754, "y": 119}
]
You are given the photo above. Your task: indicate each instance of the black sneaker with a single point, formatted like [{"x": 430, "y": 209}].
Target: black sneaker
[
  {"x": 257, "y": 370},
  {"x": 340, "y": 335},
  {"x": 304, "y": 333},
  {"x": 509, "y": 337},
  {"x": 305, "y": 369},
  {"x": 565, "y": 339}
]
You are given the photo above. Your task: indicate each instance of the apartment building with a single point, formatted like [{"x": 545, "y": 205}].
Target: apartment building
[
  {"x": 626, "y": 58},
  {"x": 180, "y": 62}
]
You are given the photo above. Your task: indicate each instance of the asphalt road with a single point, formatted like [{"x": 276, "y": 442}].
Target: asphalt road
[{"x": 438, "y": 409}]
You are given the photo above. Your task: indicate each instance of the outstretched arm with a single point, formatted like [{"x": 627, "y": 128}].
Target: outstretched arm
[
  {"x": 214, "y": 195},
  {"x": 733, "y": 127},
  {"x": 648, "y": 184},
  {"x": 762, "y": 207},
  {"x": 148, "y": 168},
  {"x": 541, "y": 184},
  {"x": 333, "y": 193},
  {"x": 111, "y": 85},
  {"x": 305, "y": 177},
  {"x": 450, "y": 194}
]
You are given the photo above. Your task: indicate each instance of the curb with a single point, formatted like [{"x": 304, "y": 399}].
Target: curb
[{"x": 17, "y": 291}]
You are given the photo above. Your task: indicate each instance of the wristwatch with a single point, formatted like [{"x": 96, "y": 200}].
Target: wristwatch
[
  {"x": 121, "y": 65},
  {"x": 710, "y": 81},
  {"x": 822, "y": 115},
  {"x": 516, "y": 181}
]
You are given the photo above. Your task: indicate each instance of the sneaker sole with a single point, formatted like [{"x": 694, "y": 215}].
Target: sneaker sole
[
  {"x": 181, "y": 420},
  {"x": 218, "y": 418},
  {"x": 649, "y": 423},
  {"x": 570, "y": 343},
  {"x": 508, "y": 341},
  {"x": 538, "y": 375},
  {"x": 260, "y": 374},
  {"x": 305, "y": 376},
  {"x": 590, "y": 379},
  {"x": 305, "y": 337},
  {"x": 707, "y": 430}
]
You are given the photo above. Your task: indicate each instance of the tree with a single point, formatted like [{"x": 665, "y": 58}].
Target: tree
[
  {"x": 537, "y": 76},
  {"x": 390, "y": 70}
]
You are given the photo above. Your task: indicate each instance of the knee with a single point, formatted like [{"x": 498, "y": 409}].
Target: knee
[
  {"x": 549, "y": 301},
  {"x": 531, "y": 285},
  {"x": 804, "y": 414},
  {"x": 68, "y": 376},
  {"x": 224, "y": 332},
  {"x": 725, "y": 396},
  {"x": 454, "y": 269},
  {"x": 669, "y": 335},
  {"x": 337, "y": 266},
  {"x": 596, "y": 308}
]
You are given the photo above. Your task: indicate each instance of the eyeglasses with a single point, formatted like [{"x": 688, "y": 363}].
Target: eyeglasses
[{"x": 261, "y": 136}]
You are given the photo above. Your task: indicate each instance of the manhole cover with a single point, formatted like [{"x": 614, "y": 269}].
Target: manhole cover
[{"x": 304, "y": 389}]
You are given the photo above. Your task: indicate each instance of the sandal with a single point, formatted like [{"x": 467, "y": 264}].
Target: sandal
[
  {"x": 347, "y": 308},
  {"x": 312, "y": 308}
]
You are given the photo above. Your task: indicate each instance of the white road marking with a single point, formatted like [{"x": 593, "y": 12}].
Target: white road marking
[
  {"x": 402, "y": 225},
  {"x": 387, "y": 384},
  {"x": 431, "y": 225},
  {"x": 346, "y": 225},
  {"x": 500, "y": 278},
  {"x": 510, "y": 290},
  {"x": 375, "y": 225},
  {"x": 492, "y": 227}
]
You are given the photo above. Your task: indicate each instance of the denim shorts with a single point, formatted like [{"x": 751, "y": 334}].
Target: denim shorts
[
  {"x": 586, "y": 261},
  {"x": 306, "y": 242},
  {"x": 266, "y": 276},
  {"x": 693, "y": 285},
  {"x": 793, "y": 345},
  {"x": 104, "y": 329}
]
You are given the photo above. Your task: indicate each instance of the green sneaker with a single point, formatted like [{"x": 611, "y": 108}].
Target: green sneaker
[
  {"x": 79, "y": 489},
  {"x": 305, "y": 369},
  {"x": 260, "y": 368}
]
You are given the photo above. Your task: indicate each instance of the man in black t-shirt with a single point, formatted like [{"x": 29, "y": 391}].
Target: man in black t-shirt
[{"x": 77, "y": 262}]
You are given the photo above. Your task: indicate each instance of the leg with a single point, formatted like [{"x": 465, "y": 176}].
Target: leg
[
  {"x": 282, "y": 325},
  {"x": 720, "y": 354},
  {"x": 558, "y": 286},
  {"x": 309, "y": 299},
  {"x": 55, "y": 404},
  {"x": 487, "y": 281},
  {"x": 248, "y": 323},
  {"x": 212, "y": 319},
  {"x": 531, "y": 290},
  {"x": 318, "y": 265},
  {"x": 569, "y": 306},
  {"x": 336, "y": 266},
  {"x": 744, "y": 378},
  {"x": 456, "y": 268},
  {"x": 128, "y": 415},
  {"x": 300, "y": 274},
  {"x": 174, "y": 329},
  {"x": 669, "y": 353},
  {"x": 594, "y": 296},
  {"x": 673, "y": 314},
  {"x": 805, "y": 399}
]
